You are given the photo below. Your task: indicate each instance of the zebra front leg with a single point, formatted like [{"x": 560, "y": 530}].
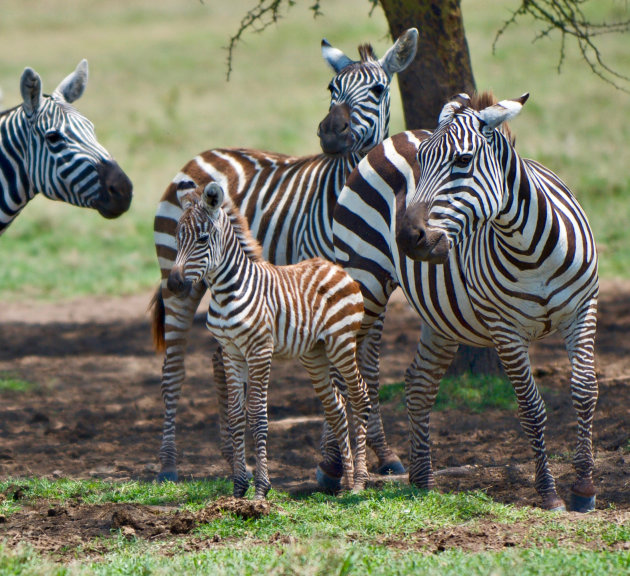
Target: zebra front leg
[
  {"x": 422, "y": 381},
  {"x": 259, "y": 367},
  {"x": 220, "y": 384},
  {"x": 580, "y": 340},
  {"x": 236, "y": 374},
  {"x": 368, "y": 357},
  {"x": 318, "y": 367},
  {"x": 178, "y": 317},
  {"x": 514, "y": 356}
]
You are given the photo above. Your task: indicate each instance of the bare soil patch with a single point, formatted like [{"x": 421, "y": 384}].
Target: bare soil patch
[{"x": 96, "y": 411}]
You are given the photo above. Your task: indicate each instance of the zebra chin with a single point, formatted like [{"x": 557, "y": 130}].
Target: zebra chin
[{"x": 116, "y": 190}]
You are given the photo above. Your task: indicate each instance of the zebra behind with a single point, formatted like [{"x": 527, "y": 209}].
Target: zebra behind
[
  {"x": 47, "y": 147},
  {"x": 491, "y": 250},
  {"x": 288, "y": 202},
  {"x": 311, "y": 310}
]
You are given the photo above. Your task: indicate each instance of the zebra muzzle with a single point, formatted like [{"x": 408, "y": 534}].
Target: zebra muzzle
[
  {"x": 177, "y": 284},
  {"x": 419, "y": 241}
]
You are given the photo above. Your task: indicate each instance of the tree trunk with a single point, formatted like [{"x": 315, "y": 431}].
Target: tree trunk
[{"x": 441, "y": 69}]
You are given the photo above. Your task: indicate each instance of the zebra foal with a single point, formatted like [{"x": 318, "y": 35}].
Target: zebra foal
[{"x": 311, "y": 310}]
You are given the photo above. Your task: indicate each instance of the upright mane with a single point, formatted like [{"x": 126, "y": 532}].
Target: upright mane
[
  {"x": 250, "y": 245},
  {"x": 367, "y": 53}
]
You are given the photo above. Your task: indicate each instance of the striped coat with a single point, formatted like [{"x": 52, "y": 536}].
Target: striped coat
[
  {"x": 311, "y": 310},
  {"x": 491, "y": 250},
  {"x": 288, "y": 202},
  {"x": 47, "y": 147}
]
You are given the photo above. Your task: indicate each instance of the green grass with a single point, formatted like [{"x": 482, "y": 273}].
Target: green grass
[
  {"x": 158, "y": 95},
  {"x": 373, "y": 533},
  {"x": 9, "y": 383},
  {"x": 476, "y": 393}
]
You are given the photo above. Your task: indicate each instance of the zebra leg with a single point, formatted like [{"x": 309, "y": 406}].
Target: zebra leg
[
  {"x": 317, "y": 365},
  {"x": 514, "y": 356},
  {"x": 344, "y": 359},
  {"x": 179, "y": 314},
  {"x": 259, "y": 367},
  {"x": 222, "y": 398},
  {"x": 368, "y": 356},
  {"x": 580, "y": 340},
  {"x": 236, "y": 374},
  {"x": 422, "y": 381}
]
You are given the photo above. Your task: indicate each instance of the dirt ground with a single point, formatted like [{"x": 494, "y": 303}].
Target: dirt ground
[{"x": 96, "y": 412}]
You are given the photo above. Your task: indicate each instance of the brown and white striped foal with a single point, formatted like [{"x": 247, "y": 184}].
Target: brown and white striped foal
[{"x": 311, "y": 311}]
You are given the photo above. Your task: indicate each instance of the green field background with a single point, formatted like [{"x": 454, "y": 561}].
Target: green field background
[{"x": 158, "y": 95}]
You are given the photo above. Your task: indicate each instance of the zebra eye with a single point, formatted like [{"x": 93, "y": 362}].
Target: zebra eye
[
  {"x": 331, "y": 87},
  {"x": 462, "y": 160},
  {"x": 203, "y": 239},
  {"x": 378, "y": 90},
  {"x": 54, "y": 137}
]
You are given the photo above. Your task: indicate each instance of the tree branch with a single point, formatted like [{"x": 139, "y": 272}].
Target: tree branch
[{"x": 568, "y": 18}]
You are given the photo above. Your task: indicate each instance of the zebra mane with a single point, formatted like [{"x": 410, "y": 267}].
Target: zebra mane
[
  {"x": 478, "y": 101},
  {"x": 248, "y": 243},
  {"x": 367, "y": 53}
]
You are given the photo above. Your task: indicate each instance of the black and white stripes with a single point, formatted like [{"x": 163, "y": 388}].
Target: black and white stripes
[
  {"x": 47, "y": 147},
  {"x": 491, "y": 250}
]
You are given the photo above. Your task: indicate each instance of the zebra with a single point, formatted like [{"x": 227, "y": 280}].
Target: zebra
[
  {"x": 47, "y": 147},
  {"x": 311, "y": 310},
  {"x": 491, "y": 250},
  {"x": 288, "y": 202}
]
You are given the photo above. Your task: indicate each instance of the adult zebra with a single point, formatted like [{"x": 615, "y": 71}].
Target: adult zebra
[
  {"x": 47, "y": 147},
  {"x": 288, "y": 202},
  {"x": 501, "y": 255}
]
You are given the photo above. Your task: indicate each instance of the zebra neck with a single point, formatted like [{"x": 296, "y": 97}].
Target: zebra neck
[
  {"x": 227, "y": 280},
  {"x": 15, "y": 188}
]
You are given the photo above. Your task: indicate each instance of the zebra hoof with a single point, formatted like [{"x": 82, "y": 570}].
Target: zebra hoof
[
  {"x": 167, "y": 476},
  {"x": 553, "y": 504},
  {"x": 581, "y": 503},
  {"x": 327, "y": 482},
  {"x": 391, "y": 468}
]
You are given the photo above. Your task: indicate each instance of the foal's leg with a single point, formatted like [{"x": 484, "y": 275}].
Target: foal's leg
[
  {"x": 259, "y": 367},
  {"x": 222, "y": 398},
  {"x": 236, "y": 374},
  {"x": 342, "y": 354},
  {"x": 179, "y": 314},
  {"x": 316, "y": 363},
  {"x": 580, "y": 340}
]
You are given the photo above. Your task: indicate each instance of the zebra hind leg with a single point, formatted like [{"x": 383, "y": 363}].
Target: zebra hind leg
[
  {"x": 579, "y": 338},
  {"x": 179, "y": 314}
]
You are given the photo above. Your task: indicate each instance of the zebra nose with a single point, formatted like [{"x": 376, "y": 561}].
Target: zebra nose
[
  {"x": 116, "y": 190},
  {"x": 177, "y": 284},
  {"x": 335, "y": 135}
]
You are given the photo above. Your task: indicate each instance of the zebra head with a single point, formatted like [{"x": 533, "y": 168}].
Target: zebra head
[
  {"x": 199, "y": 237},
  {"x": 462, "y": 182},
  {"x": 358, "y": 118},
  {"x": 64, "y": 160}
]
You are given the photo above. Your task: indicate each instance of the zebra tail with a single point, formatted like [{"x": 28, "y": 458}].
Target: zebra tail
[{"x": 158, "y": 314}]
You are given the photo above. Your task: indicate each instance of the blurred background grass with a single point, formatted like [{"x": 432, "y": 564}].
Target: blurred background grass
[{"x": 158, "y": 95}]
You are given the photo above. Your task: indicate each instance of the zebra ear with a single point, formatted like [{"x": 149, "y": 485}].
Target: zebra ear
[
  {"x": 31, "y": 89},
  {"x": 72, "y": 86},
  {"x": 212, "y": 198},
  {"x": 336, "y": 59},
  {"x": 498, "y": 113},
  {"x": 187, "y": 200},
  {"x": 401, "y": 54},
  {"x": 452, "y": 107}
]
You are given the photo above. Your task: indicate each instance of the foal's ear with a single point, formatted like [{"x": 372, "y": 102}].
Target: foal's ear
[
  {"x": 212, "y": 198},
  {"x": 336, "y": 59}
]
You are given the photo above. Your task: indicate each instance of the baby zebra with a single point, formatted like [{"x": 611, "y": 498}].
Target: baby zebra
[{"x": 311, "y": 310}]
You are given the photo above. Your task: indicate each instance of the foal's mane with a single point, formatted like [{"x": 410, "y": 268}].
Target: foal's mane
[{"x": 248, "y": 243}]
